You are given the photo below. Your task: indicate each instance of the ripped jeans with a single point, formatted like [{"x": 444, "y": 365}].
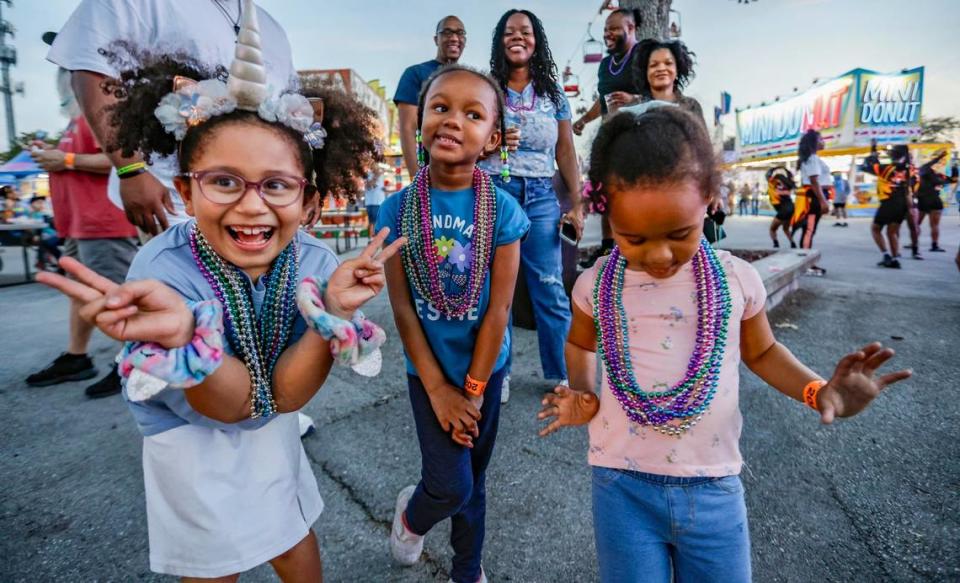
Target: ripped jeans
[{"x": 540, "y": 257}]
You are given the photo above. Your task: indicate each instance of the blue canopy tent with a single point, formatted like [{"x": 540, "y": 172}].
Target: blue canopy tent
[{"x": 21, "y": 166}]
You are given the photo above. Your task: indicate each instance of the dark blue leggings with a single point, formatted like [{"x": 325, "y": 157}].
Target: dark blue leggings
[{"x": 452, "y": 478}]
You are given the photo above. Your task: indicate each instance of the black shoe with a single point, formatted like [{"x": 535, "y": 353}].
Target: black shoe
[
  {"x": 592, "y": 258},
  {"x": 917, "y": 256},
  {"x": 793, "y": 245},
  {"x": 108, "y": 385},
  {"x": 895, "y": 264},
  {"x": 937, "y": 249},
  {"x": 67, "y": 367},
  {"x": 838, "y": 224},
  {"x": 776, "y": 244},
  {"x": 887, "y": 261}
]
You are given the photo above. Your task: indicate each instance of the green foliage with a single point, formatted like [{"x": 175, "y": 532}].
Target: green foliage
[
  {"x": 25, "y": 140},
  {"x": 938, "y": 129}
]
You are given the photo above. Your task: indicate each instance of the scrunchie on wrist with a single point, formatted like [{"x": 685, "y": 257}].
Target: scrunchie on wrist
[
  {"x": 355, "y": 343},
  {"x": 149, "y": 367}
]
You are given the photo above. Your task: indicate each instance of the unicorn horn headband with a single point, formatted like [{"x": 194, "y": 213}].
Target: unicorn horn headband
[{"x": 192, "y": 103}]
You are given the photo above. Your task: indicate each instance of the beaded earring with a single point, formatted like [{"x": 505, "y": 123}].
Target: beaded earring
[
  {"x": 505, "y": 163},
  {"x": 421, "y": 158}
]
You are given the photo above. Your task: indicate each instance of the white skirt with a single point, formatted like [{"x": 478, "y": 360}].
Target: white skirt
[{"x": 221, "y": 503}]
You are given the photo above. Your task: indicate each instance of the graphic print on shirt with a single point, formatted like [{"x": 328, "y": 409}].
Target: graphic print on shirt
[{"x": 453, "y": 244}]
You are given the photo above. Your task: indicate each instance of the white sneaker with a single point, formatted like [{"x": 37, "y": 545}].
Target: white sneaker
[
  {"x": 405, "y": 546},
  {"x": 505, "y": 390},
  {"x": 306, "y": 425},
  {"x": 482, "y": 579}
]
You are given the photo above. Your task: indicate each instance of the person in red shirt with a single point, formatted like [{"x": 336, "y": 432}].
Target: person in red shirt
[{"x": 96, "y": 232}]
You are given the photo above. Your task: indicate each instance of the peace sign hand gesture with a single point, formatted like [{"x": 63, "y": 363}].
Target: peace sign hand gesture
[
  {"x": 853, "y": 385},
  {"x": 144, "y": 310},
  {"x": 358, "y": 280}
]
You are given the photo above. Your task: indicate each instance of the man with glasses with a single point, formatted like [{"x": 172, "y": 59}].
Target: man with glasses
[{"x": 450, "y": 38}]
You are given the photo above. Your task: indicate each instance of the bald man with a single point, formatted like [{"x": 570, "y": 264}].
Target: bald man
[{"x": 450, "y": 36}]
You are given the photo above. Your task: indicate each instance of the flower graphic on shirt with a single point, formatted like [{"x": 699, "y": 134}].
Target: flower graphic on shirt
[
  {"x": 667, "y": 343},
  {"x": 672, "y": 456},
  {"x": 461, "y": 256},
  {"x": 675, "y": 316},
  {"x": 443, "y": 246}
]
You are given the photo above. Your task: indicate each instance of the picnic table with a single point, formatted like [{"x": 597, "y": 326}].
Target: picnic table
[
  {"x": 344, "y": 226},
  {"x": 26, "y": 228}
]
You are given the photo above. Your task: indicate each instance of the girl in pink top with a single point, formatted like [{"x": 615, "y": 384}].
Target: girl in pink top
[{"x": 671, "y": 319}]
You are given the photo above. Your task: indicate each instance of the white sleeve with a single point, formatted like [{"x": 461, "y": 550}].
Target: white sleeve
[{"x": 92, "y": 27}]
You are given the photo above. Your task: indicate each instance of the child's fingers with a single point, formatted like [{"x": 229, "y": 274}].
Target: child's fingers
[
  {"x": 375, "y": 281},
  {"x": 461, "y": 438},
  {"x": 894, "y": 377},
  {"x": 547, "y": 411},
  {"x": 847, "y": 363},
  {"x": 391, "y": 249},
  {"x": 550, "y": 428},
  {"x": 876, "y": 360},
  {"x": 374, "y": 245},
  {"x": 827, "y": 414},
  {"x": 86, "y": 275},
  {"x": 68, "y": 287},
  {"x": 91, "y": 310},
  {"x": 111, "y": 317}
]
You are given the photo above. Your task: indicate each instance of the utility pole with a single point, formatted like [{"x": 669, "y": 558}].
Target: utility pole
[{"x": 8, "y": 58}]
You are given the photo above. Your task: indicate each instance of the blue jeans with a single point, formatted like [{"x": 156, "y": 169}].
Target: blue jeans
[
  {"x": 650, "y": 527},
  {"x": 542, "y": 267},
  {"x": 452, "y": 477}
]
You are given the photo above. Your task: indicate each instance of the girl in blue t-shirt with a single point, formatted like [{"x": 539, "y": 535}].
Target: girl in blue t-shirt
[{"x": 463, "y": 240}]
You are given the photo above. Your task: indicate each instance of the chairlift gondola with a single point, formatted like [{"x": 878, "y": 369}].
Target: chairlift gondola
[
  {"x": 592, "y": 49},
  {"x": 571, "y": 83}
]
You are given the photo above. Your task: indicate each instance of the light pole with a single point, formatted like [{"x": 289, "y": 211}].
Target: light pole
[{"x": 8, "y": 58}]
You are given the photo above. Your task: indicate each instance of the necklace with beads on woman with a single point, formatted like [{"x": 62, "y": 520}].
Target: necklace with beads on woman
[
  {"x": 676, "y": 410},
  {"x": 257, "y": 340},
  {"x": 421, "y": 262}
]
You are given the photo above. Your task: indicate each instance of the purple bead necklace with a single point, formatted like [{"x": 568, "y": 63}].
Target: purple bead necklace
[{"x": 674, "y": 411}]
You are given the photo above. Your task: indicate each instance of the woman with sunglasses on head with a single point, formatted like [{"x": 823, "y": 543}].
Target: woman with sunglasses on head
[{"x": 523, "y": 66}]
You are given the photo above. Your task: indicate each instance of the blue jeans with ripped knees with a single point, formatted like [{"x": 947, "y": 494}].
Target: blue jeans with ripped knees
[
  {"x": 663, "y": 529},
  {"x": 453, "y": 478},
  {"x": 542, "y": 267}
]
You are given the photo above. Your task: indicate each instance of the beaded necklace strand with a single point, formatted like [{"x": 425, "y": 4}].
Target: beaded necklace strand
[
  {"x": 421, "y": 262},
  {"x": 519, "y": 107},
  {"x": 258, "y": 341},
  {"x": 626, "y": 59},
  {"x": 674, "y": 411}
]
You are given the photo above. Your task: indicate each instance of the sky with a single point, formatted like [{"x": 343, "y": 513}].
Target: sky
[{"x": 755, "y": 51}]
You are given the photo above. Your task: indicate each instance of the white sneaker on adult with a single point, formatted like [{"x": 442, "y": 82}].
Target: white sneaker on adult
[
  {"x": 482, "y": 579},
  {"x": 505, "y": 390},
  {"x": 405, "y": 546},
  {"x": 306, "y": 425}
]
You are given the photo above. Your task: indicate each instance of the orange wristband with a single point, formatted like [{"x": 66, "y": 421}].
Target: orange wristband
[
  {"x": 811, "y": 391},
  {"x": 69, "y": 159},
  {"x": 473, "y": 387}
]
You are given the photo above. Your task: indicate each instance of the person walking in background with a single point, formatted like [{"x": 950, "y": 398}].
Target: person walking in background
[
  {"x": 893, "y": 193},
  {"x": 755, "y": 202},
  {"x": 95, "y": 232},
  {"x": 744, "y": 203},
  {"x": 373, "y": 196},
  {"x": 780, "y": 185},
  {"x": 523, "y": 66},
  {"x": 928, "y": 198},
  {"x": 47, "y": 240},
  {"x": 450, "y": 36},
  {"x": 811, "y": 201},
  {"x": 841, "y": 190}
]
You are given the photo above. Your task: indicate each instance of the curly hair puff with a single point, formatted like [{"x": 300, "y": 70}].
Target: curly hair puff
[
  {"x": 543, "y": 69},
  {"x": 661, "y": 146},
  {"x": 351, "y": 147},
  {"x": 682, "y": 56}
]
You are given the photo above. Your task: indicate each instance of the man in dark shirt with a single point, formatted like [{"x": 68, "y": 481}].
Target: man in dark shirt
[
  {"x": 450, "y": 38},
  {"x": 617, "y": 85}
]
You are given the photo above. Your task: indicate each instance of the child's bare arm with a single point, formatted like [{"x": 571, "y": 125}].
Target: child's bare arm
[
  {"x": 503, "y": 276},
  {"x": 851, "y": 388},
  {"x": 577, "y": 404}
]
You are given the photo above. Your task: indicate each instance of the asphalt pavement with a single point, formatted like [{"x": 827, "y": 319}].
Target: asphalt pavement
[{"x": 874, "y": 498}]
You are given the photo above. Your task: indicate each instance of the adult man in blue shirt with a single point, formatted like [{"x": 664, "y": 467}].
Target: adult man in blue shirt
[{"x": 450, "y": 38}]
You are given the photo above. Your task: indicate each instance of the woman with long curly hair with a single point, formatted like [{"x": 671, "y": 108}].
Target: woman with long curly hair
[
  {"x": 521, "y": 62},
  {"x": 811, "y": 201},
  {"x": 665, "y": 68}
]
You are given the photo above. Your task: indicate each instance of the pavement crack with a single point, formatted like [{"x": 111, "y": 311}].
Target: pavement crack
[
  {"x": 435, "y": 565},
  {"x": 863, "y": 533}
]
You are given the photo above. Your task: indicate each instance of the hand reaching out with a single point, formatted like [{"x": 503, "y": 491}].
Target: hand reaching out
[
  {"x": 358, "y": 280},
  {"x": 570, "y": 407},
  {"x": 854, "y": 386},
  {"x": 144, "y": 310}
]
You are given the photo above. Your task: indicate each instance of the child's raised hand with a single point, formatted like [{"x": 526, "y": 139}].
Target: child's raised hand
[
  {"x": 144, "y": 310},
  {"x": 569, "y": 407},
  {"x": 456, "y": 414},
  {"x": 358, "y": 280},
  {"x": 853, "y": 385}
]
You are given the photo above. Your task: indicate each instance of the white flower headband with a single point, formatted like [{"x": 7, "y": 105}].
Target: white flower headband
[{"x": 192, "y": 103}]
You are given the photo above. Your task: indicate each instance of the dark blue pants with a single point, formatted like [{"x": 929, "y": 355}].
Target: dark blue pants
[{"x": 452, "y": 478}]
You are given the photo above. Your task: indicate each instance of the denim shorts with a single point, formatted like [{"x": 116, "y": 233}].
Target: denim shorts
[{"x": 655, "y": 528}]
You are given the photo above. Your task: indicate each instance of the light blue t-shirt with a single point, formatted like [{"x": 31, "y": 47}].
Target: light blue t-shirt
[
  {"x": 168, "y": 258},
  {"x": 539, "y": 128},
  {"x": 452, "y": 340}
]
